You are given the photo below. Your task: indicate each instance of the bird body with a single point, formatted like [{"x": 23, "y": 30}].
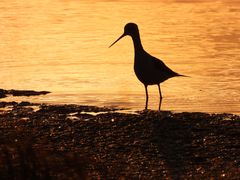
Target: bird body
[{"x": 148, "y": 69}]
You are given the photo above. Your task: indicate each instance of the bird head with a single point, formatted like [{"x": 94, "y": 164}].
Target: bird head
[{"x": 129, "y": 29}]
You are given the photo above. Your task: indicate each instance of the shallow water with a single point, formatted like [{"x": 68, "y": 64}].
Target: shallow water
[{"x": 62, "y": 46}]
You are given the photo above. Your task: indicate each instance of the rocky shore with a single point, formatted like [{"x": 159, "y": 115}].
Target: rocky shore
[{"x": 42, "y": 141}]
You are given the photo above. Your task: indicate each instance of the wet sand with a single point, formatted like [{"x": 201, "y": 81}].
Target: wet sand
[{"x": 43, "y": 141}]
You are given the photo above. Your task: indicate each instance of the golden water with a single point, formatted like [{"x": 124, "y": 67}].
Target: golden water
[{"x": 62, "y": 46}]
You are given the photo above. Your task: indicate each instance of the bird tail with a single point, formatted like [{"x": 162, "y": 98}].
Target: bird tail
[{"x": 182, "y": 75}]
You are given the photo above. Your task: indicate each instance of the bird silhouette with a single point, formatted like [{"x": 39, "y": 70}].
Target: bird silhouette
[{"x": 148, "y": 69}]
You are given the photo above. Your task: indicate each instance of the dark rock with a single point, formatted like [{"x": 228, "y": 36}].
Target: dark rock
[
  {"x": 27, "y": 92},
  {"x": 5, "y": 104},
  {"x": 2, "y": 93},
  {"x": 24, "y": 103}
]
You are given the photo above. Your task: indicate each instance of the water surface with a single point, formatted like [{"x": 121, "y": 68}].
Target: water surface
[{"x": 62, "y": 46}]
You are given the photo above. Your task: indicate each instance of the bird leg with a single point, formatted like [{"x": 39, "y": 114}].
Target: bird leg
[
  {"x": 160, "y": 97},
  {"x": 146, "y": 105}
]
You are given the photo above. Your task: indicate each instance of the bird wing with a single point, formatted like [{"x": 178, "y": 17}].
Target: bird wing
[{"x": 163, "y": 68}]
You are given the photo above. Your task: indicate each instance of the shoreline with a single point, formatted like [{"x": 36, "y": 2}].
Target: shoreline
[
  {"x": 72, "y": 141},
  {"x": 10, "y": 94}
]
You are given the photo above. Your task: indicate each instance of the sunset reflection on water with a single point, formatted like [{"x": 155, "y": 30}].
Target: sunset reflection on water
[{"x": 62, "y": 46}]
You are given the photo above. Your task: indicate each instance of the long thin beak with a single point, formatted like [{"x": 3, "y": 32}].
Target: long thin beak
[{"x": 117, "y": 40}]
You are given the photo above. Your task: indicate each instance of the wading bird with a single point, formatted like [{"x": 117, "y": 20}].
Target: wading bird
[{"x": 148, "y": 69}]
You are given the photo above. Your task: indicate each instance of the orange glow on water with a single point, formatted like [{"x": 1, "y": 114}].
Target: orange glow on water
[{"x": 62, "y": 46}]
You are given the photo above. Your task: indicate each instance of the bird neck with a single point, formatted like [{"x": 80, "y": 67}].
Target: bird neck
[{"x": 137, "y": 43}]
